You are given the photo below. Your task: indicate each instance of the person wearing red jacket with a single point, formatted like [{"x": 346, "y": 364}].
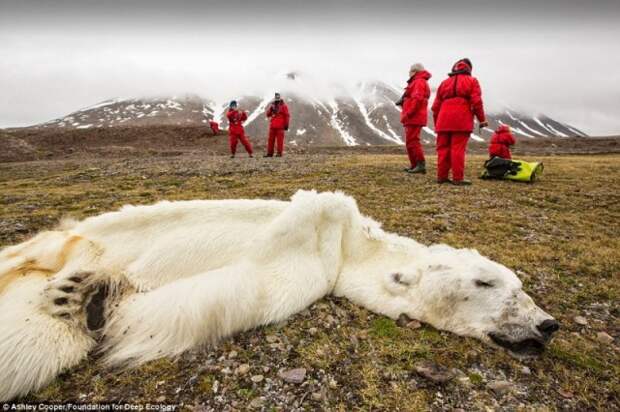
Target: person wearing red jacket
[
  {"x": 458, "y": 100},
  {"x": 501, "y": 141},
  {"x": 235, "y": 129},
  {"x": 414, "y": 114},
  {"x": 279, "y": 117}
]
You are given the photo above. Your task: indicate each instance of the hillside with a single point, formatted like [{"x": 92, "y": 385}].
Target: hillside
[{"x": 362, "y": 115}]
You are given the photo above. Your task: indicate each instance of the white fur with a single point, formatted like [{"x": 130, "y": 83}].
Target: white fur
[{"x": 188, "y": 273}]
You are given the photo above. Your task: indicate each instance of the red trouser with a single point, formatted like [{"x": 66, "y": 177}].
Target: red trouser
[
  {"x": 232, "y": 140},
  {"x": 414, "y": 148},
  {"x": 275, "y": 136},
  {"x": 451, "y": 148}
]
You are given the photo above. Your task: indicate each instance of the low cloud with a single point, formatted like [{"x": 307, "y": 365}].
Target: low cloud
[{"x": 548, "y": 67}]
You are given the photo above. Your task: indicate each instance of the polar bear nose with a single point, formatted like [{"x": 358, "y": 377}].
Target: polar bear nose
[{"x": 548, "y": 327}]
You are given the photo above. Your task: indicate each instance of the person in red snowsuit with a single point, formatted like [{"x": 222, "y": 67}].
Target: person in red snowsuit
[
  {"x": 215, "y": 127},
  {"x": 501, "y": 141},
  {"x": 458, "y": 100},
  {"x": 279, "y": 117},
  {"x": 235, "y": 129},
  {"x": 414, "y": 114}
]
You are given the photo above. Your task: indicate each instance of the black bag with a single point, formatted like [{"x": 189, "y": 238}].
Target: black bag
[{"x": 499, "y": 168}]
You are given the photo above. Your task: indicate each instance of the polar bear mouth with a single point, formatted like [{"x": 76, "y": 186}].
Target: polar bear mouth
[{"x": 525, "y": 347}]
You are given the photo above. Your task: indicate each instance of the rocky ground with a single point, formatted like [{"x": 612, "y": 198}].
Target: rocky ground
[{"x": 560, "y": 235}]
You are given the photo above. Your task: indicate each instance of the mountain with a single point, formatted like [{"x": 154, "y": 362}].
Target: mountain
[{"x": 362, "y": 115}]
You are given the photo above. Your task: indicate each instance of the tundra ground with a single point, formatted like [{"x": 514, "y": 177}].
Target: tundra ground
[{"x": 560, "y": 235}]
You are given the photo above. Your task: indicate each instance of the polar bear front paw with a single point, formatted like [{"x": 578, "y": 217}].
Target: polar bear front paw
[{"x": 65, "y": 297}]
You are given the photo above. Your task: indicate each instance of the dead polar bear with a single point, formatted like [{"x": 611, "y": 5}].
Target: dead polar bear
[{"x": 154, "y": 281}]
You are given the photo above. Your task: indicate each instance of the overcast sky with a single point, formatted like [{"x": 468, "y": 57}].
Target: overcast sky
[{"x": 558, "y": 57}]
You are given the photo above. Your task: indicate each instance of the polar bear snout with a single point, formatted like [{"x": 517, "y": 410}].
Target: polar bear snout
[{"x": 523, "y": 340}]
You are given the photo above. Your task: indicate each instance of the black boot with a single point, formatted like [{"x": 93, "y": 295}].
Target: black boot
[
  {"x": 268, "y": 155},
  {"x": 420, "y": 167},
  {"x": 461, "y": 182}
]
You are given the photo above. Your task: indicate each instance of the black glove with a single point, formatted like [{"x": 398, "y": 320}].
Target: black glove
[
  {"x": 286, "y": 127},
  {"x": 399, "y": 102}
]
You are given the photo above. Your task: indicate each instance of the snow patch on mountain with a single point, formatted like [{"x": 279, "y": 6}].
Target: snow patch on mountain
[
  {"x": 260, "y": 110},
  {"x": 531, "y": 129},
  {"x": 389, "y": 128},
  {"x": 380, "y": 133},
  {"x": 337, "y": 124},
  {"x": 521, "y": 132},
  {"x": 556, "y": 132},
  {"x": 537, "y": 120}
]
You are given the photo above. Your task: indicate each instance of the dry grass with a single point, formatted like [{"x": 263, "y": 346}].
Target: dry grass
[{"x": 560, "y": 235}]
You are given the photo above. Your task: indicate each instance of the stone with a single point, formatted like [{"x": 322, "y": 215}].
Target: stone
[
  {"x": 313, "y": 331},
  {"x": 434, "y": 373},
  {"x": 333, "y": 384},
  {"x": 526, "y": 371},
  {"x": 161, "y": 399},
  {"x": 257, "y": 378},
  {"x": 271, "y": 338},
  {"x": 580, "y": 320},
  {"x": 256, "y": 403},
  {"x": 296, "y": 375},
  {"x": 501, "y": 387},
  {"x": 242, "y": 369},
  {"x": 414, "y": 324},
  {"x": 403, "y": 320},
  {"x": 604, "y": 338}
]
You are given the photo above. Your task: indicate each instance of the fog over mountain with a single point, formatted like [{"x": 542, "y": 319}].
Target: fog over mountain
[{"x": 558, "y": 58}]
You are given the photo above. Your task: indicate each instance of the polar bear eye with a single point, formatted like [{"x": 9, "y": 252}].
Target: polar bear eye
[{"x": 483, "y": 284}]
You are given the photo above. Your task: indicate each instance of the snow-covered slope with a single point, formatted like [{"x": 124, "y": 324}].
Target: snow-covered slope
[
  {"x": 184, "y": 110},
  {"x": 364, "y": 114}
]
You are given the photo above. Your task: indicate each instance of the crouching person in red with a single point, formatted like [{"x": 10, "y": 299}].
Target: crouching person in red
[
  {"x": 235, "y": 129},
  {"x": 501, "y": 141},
  {"x": 458, "y": 100},
  {"x": 414, "y": 115},
  {"x": 215, "y": 127},
  {"x": 278, "y": 116}
]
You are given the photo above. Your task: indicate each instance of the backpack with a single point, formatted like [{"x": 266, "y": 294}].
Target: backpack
[{"x": 499, "y": 168}]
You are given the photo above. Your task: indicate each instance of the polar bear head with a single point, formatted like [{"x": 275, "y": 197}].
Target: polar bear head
[{"x": 463, "y": 292}]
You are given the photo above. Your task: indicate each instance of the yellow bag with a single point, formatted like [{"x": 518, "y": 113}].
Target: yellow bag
[
  {"x": 519, "y": 170},
  {"x": 527, "y": 171}
]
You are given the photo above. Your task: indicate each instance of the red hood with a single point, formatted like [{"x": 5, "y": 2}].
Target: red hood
[
  {"x": 461, "y": 67},
  {"x": 422, "y": 75},
  {"x": 502, "y": 129}
]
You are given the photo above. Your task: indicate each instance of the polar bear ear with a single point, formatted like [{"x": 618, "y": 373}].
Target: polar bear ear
[{"x": 397, "y": 283}]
